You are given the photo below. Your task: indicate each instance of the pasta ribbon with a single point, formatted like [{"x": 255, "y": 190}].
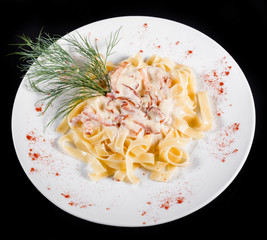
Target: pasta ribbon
[{"x": 146, "y": 121}]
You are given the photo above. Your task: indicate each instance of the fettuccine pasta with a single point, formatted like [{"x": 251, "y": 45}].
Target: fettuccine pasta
[{"x": 151, "y": 114}]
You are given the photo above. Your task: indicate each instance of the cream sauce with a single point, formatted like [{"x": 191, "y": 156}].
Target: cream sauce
[{"x": 140, "y": 100}]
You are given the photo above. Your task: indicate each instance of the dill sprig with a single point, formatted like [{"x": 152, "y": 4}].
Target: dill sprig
[{"x": 54, "y": 72}]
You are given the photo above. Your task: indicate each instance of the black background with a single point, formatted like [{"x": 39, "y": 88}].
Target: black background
[{"x": 238, "y": 26}]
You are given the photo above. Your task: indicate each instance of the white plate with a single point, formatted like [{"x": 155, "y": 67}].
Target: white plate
[{"x": 215, "y": 160}]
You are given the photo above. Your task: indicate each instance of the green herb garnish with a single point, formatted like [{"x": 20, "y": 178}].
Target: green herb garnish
[{"x": 53, "y": 71}]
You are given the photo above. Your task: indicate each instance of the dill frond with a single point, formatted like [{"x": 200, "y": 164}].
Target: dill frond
[{"x": 54, "y": 72}]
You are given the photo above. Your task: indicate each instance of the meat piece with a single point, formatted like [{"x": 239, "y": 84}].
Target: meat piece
[
  {"x": 115, "y": 76},
  {"x": 88, "y": 129},
  {"x": 156, "y": 114}
]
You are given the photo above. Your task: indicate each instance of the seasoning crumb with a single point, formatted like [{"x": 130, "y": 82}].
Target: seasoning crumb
[
  {"x": 65, "y": 195},
  {"x": 144, "y": 213},
  {"x": 222, "y": 144},
  {"x": 188, "y": 53},
  {"x": 33, "y": 170},
  {"x": 38, "y": 109}
]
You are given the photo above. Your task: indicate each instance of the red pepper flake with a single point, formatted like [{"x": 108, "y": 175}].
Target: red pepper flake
[
  {"x": 177, "y": 43},
  {"x": 214, "y": 79},
  {"x": 219, "y": 112},
  {"x": 38, "y": 148},
  {"x": 33, "y": 170},
  {"x": 77, "y": 203},
  {"x": 107, "y": 208},
  {"x": 145, "y": 25},
  {"x": 36, "y": 155},
  {"x": 144, "y": 213},
  {"x": 165, "y": 205},
  {"x": 231, "y": 129},
  {"x": 30, "y": 136},
  {"x": 223, "y": 142},
  {"x": 115, "y": 179},
  {"x": 38, "y": 108},
  {"x": 80, "y": 204},
  {"x": 188, "y": 53},
  {"x": 65, "y": 195},
  {"x": 180, "y": 200},
  {"x": 73, "y": 203},
  {"x": 33, "y": 156},
  {"x": 34, "y": 141},
  {"x": 171, "y": 200},
  {"x": 235, "y": 127},
  {"x": 236, "y": 150},
  {"x": 141, "y": 51}
]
